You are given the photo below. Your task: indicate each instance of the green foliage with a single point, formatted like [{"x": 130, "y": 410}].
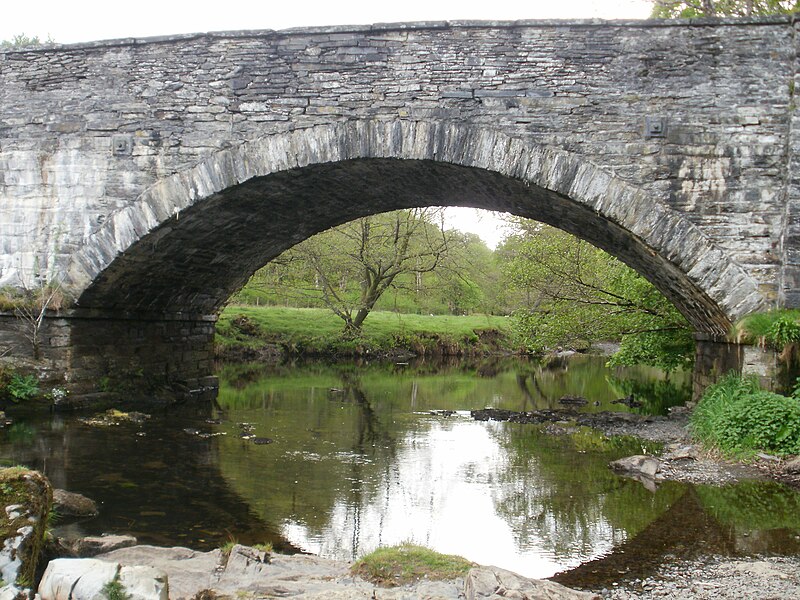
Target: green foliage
[
  {"x": 752, "y": 505},
  {"x": 685, "y": 9},
  {"x": 21, "y": 387},
  {"x": 407, "y": 563},
  {"x": 738, "y": 417},
  {"x": 114, "y": 590},
  {"x": 415, "y": 265},
  {"x": 577, "y": 294}
]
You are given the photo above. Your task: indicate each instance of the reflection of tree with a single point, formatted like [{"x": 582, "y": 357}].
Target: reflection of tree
[
  {"x": 153, "y": 480},
  {"x": 570, "y": 500},
  {"x": 656, "y": 395},
  {"x": 684, "y": 530}
]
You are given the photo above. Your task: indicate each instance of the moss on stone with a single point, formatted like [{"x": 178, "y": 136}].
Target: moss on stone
[{"x": 31, "y": 495}]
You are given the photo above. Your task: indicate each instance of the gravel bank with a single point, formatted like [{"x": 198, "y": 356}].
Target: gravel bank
[{"x": 716, "y": 578}]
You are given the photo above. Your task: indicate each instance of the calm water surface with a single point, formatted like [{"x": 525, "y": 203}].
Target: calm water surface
[{"x": 337, "y": 460}]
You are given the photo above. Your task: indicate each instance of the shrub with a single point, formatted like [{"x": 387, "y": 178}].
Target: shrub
[
  {"x": 22, "y": 387},
  {"x": 738, "y": 417}
]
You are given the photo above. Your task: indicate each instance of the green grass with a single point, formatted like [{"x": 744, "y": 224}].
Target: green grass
[
  {"x": 773, "y": 328},
  {"x": 319, "y": 330},
  {"x": 407, "y": 563}
]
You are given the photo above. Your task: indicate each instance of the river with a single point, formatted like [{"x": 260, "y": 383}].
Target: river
[{"x": 338, "y": 459}]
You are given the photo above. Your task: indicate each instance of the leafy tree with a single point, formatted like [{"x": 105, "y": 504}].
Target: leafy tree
[
  {"x": 350, "y": 267},
  {"x": 675, "y": 9},
  {"x": 576, "y": 294}
]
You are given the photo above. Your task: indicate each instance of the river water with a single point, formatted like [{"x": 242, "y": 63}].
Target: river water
[{"x": 339, "y": 459}]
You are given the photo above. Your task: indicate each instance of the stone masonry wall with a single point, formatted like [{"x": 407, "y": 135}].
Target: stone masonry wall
[{"x": 695, "y": 112}]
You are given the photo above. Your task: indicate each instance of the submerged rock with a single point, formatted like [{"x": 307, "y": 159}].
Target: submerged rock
[
  {"x": 70, "y": 504},
  {"x": 93, "y": 545},
  {"x": 573, "y": 400}
]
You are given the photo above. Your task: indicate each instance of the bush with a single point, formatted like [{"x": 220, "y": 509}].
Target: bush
[
  {"x": 738, "y": 417},
  {"x": 22, "y": 387}
]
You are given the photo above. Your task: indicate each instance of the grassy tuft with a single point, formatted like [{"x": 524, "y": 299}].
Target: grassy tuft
[
  {"x": 407, "y": 563},
  {"x": 777, "y": 329}
]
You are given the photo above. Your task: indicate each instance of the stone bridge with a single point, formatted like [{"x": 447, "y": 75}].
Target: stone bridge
[{"x": 149, "y": 178}]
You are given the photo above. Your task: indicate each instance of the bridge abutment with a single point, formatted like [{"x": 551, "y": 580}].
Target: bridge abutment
[{"x": 131, "y": 356}]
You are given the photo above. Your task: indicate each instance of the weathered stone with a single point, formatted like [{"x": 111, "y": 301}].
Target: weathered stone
[
  {"x": 219, "y": 151},
  {"x": 25, "y": 499},
  {"x": 70, "y": 504},
  {"x": 494, "y": 583},
  {"x": 85, "y": 578},
  {"x": 93, "y": 545}
]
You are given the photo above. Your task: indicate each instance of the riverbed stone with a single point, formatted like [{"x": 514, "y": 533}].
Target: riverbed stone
[
  {"x": 89, "y": 546},
  {"x": 70, "y": 504},
  {"x": 494, "y": 583}
]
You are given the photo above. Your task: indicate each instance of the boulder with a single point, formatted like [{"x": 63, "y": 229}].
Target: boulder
[
  {"x": 86, "y": 578},
  {"x": 639, "y": 464},
  {"x": 642, "y": 468},
  {"x": 189, "y": 571},
  {"x": 93, "y": 545},
  {"x": 496, "y": 584},
  {"x": 70, "y": 504}
]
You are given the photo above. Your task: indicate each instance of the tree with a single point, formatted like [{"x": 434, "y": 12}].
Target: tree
[
  {"x": 576, "y": 294},
  {"x": 676, "y": 9},
  {"x": 350, "y": 267}
]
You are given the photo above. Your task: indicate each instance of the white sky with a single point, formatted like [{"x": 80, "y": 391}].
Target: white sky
[
  {"x": 72, "y": 21},
  {"x": 69, "y": 21}
]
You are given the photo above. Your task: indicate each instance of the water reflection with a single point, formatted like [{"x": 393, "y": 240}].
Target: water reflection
[{"x": 351, "y": 457}]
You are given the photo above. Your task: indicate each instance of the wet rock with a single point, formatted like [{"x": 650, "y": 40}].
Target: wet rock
[
  {"x": 442, "y": 413},
  {"x": 114, "y": 417},
  {"x": 494, "y": 583},
  {"x": 573, "y": 400},
  {"x": 262, "y": 440},
  {"x": 628, "y": 400},
  {"x": 94, "y": 545},
  {"x": 70, "y": 504},
  {"x": 85, "y": 579},
  {"x": 639, "y": 464}
]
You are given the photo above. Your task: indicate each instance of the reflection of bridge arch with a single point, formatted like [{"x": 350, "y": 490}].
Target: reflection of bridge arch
[{"x": 192, "y": 239}]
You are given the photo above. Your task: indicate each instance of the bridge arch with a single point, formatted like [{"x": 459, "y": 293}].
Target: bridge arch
[{"x": 191, "y": 240}]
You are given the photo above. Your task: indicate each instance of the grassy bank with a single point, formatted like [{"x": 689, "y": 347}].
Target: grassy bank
[{"x": 318, "y": 332}]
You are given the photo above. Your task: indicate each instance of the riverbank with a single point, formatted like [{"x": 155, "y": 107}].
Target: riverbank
[{"x": 264, "y": 332}]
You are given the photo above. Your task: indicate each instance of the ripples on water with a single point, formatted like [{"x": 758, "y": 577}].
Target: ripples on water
[{"x": 357, "y": 460}]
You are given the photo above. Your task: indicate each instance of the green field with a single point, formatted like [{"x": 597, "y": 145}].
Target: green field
[{"x": 319, "y": 331}]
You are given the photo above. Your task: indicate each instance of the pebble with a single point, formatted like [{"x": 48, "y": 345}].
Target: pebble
[{"x": 716, "y": 578}]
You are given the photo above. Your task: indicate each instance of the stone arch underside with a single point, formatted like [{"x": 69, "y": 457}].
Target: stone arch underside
[{"x": 193, "y": 239}]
